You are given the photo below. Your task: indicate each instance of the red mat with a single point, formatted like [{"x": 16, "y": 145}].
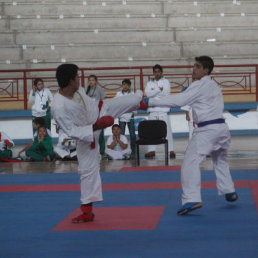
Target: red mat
[
  {"x": 154, "y": 168},
  {"x": 115, "y": 218}
]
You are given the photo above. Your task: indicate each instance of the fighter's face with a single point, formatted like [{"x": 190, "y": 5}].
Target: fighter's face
[
  {"x": 157, "y": 74},
  {"x": 75, "y": 83},
  {"x": 199, "y": 71}
]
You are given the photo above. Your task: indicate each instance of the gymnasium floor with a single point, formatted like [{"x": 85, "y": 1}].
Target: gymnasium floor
[{"x": 138, "y": 215}]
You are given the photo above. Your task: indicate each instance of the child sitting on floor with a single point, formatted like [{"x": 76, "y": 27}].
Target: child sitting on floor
[
  {"x": 37, "y": 122},
  {"x": 42, "y": 147},
  {"x": 117, "y": 144}
]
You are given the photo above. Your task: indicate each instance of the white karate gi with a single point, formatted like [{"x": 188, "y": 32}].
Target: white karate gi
[
  {"x": 156, "y": 90},
  {"x": 65, "y": 149},
  {"x": 76, "y": 121},
  {"x": 117, "y": 152},
  {"x": 205, "y": 98},
  {"x": 190, "y": 122}
]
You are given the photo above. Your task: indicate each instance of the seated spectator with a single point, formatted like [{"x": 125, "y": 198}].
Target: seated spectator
[
  {"x": 6, "y": 144},
  {"x": 66, "y": 146},
  {"x": 37, "y": 122},
  {"x": 117, "y": 145},
  {"x": 42, "y": 147},
  {"x": 128, "y": 118}
]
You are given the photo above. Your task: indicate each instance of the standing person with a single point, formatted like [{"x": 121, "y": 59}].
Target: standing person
[
  {"x": 96, "y": 92},
  {"x": 156, "y": 88},
  {"x": 117, "y": 144},
  {"x": 128, "y": 118},
  {"x": 41, "y": 97},
  {"x": 212, "y": 135},
  {"x": 6, "y": 144},
  {"x": 82, "y": 118}
]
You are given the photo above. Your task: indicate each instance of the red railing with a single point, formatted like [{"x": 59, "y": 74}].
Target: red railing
[{"x": 233, "y": 79}]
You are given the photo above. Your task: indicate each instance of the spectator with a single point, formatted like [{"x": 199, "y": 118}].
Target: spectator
[
  {"x": 156, "y": 88},
  {"x": 117, "y": 144},
  {"x": 66, "y": 146},
  {"x": 6, "y": 144},
  {"x": 97, "y": 93},
  {"x": 128, "y": 118},
  {"x": 40, "y": 98},
  {"x": 37, "y": 122},
  {"x": 42, "y": 147}
]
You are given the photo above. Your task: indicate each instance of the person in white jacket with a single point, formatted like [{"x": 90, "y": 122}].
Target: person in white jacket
[
  {"x": 82, "y": 118},
  {"x": 40, "y": 98},
  {"x": 156, "y": 88},
  {"x": 211, "y": 137}
]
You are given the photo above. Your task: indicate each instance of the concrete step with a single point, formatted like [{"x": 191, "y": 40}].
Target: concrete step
[
  {"x": 102, "y": 52},
  {"x": 222, "y": 60},
  {"x": 88, "y": 23},
  {"x": 78, "y": 8},
  {"x": 111, "y": 52},
  {"x": 89, "y": 37},
  {"x": 213, "y": 21},
  {"x": 221, "y": 34},
  {"x": 131, "y": 36},
  {"x": 210, "y": 7},
  {"x": 220, "y": 49}
]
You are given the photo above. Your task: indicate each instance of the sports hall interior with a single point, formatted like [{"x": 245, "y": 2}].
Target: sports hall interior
[{"x": 118, "y": 39}]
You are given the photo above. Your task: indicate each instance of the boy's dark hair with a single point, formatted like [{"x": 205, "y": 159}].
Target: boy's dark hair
[
  {"x": 91, "y": 76},
  {"x": 127, "y": 81},
  {"x": 116, "y": 125},
  {"x": 39, "y": 121},
  {"x": 65, "y": 73},
  {"x": 157, "y": 66},
  {"x": 206, "y": 62},
  {"x": 36, "y": 80}
]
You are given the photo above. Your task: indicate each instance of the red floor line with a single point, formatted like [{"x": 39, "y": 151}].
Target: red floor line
[
  {"x": 153, "y": 168},
  {"x": 116, "y": 186}
]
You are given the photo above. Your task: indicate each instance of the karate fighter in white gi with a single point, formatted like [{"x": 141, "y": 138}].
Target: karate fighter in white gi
[
  {"x": 211, "y": 137},
  {"x": 82, "y": 118}
]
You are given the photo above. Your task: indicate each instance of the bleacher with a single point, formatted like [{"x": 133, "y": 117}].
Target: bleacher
[{"x": 42, "y": 34}]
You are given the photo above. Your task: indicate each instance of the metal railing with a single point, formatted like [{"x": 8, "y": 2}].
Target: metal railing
[{"x": 233, "y": 79}]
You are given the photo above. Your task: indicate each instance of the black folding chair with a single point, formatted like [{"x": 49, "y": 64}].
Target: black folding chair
[{"x": 151, "y": 132}]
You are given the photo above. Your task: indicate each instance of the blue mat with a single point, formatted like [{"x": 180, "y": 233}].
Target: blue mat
[{"x": 219, "y": 229}]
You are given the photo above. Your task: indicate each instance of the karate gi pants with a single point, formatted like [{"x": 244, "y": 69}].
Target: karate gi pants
[
  {"x": 115, "y": 154},
  {"x": 88, "y": 158},
  {"x": 213, "y": 140}
]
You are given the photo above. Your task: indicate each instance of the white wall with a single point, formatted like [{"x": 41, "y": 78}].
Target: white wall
[{"x": 22, "y": 128}]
